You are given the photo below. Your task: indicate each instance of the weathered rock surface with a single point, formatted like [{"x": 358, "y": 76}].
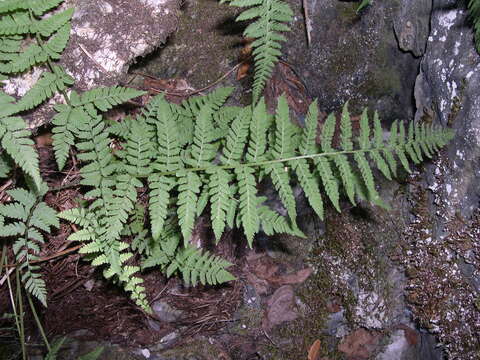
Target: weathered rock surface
[
  {"x": 446, "y": 92},
  {"x": 107, "y": 36},
  {"x": 356, "y": 57},
  {"x": 412, "y": 25}
]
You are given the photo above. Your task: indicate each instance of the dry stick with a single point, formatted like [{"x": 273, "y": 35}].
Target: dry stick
[
  {"x": 46, "y": 258},
  {"x": 220, "y": 79}
]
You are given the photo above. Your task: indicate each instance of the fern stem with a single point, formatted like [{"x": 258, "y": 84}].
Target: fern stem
[
  {"x": 293, "y": 158},
  {"x": 37, "y": 320},
  {"x": 18, "y": 315}
]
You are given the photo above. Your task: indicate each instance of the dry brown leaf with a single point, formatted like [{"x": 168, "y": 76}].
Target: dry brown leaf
[
  {"x": 295, "y": 278},
  {"x": 314, "y": 352},
  {"x": 359, "y": 344},
  {"x": 243, "y": 70},
  {"x": 280, "y": 307}
]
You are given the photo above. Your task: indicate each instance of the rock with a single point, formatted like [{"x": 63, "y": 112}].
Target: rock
[
  {"x": 446, "y": 93},
  {"x": 359, "y": 344},
  {"x": 166, "y": 341},
  {"x": 356, "y": 56},
  {"x": 412, "y": 25},
  {"x": 106, "y": 38},
  {"x": 164, "y": 312},
  {"x": 280, "y": 307},
  {"x": 447, "y": 89}
]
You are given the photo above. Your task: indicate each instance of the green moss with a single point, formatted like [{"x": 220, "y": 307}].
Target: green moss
[{"x": 347, "y": 11}]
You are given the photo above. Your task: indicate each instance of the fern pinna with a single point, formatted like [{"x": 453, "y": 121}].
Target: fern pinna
[
  {"x": 270, "y": 21},
  {"x": 202, "y": 157}
]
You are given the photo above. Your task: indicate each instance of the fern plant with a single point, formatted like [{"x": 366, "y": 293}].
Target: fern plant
[
  {"x": 270, "y": 21},
  {"x": 28, "y": 39},
  {"x": 202, "y": 157},
  {"x": 25, "y": 218}
]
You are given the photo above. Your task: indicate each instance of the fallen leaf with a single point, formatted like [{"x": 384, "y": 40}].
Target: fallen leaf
[
  {"x": 295, "y": 278},
  {"x": 314, "y": 352},
  {"x": 280, "y": 307},
  {"x": 359, "y": 344},
  {"x": 243, "y": 70}
]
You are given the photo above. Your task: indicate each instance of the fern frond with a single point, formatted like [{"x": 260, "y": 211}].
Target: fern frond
[
  {"x": 168, "y": 144},
  {"x": 285, "y": 132},
  {"x": 44, "y": 88},
  {"x": 105, "y": 98},
  {"x": 214, "y": 100},
  {"x": 329, "y": 182},
  {"x": 197, "y": 266},
  {"x": 160, "y": 187},
  {"x": 39, "y": 7},
  {"x": 17, "y": 143},
  {"x": 237, "y": 138},
  {"x": 46, "y": 27},
  {"x": 220, "y": 197},
  {"x": 203, "y": 149},
  {"x": 33, "y": 215},
  {"x": 248, "y": 211},
  {"x": 259, "y": 126},
  {"x": 139, "y": 150},
  {"x": 270, "y": 18},
  {"x": 188, "y": 187}
]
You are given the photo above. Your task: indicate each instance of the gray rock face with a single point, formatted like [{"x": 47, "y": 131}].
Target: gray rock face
[
  {"x": 446, "y": 92},
  {"x": 356, "y": 57},
  {"x": 106, "y": 37},
  {"x": 447, "y": 89},
  {"x": 412, "y": 25}
]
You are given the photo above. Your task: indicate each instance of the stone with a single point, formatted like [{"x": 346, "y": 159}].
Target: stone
[
  {"x": 106, "y": 38},
  {"x": 166, "y": 313},
  {"x": 412, "y": 25},
  {"x": 355, "y": 57}
]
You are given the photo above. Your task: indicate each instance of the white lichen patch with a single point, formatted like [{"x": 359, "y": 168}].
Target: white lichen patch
[
  {"x": 21, "y": 84},
  {"x": 447, "y": 19},
  {"x": 370, "y": 310}
]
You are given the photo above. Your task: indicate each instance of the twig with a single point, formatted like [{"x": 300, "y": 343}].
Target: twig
[
  {"x": 46, "y": 258},
  {"x": 172, "y": 93},
  {"x": 102, "y": 69}
]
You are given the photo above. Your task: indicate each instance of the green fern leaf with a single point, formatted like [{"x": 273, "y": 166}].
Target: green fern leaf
[
  {"x": 44, "y": 88},
  {"x": 329, "y": 183},
  {"x": 309, "y": 185},
  {"x": 188, "y": 187},
  {"x": 266, "y": 30},
  {"x": 281, "y": 181},
  {"x": 17, "y": 143},
  {"x": 308, "y": 141},
  {"x": 219, "y": 193},
  {"x": 168, "y": 158},
  {"x": 328, "y": 130},
  {"x": 401, "y": 147},
  {"x": 346, "y": 174},
  {"x": 16, "y": 24},
  {"x": 248, "y": 211},
  {"x": 367, "y": 176},
  {"x": 105, "y": 98},
  {"x": 346, "y": 129},
  {"x": 57, "y": 43},
  {"x": 285, "y": 133},
  {"x": 139, "y": 151},
  {"x": 39, "y": 7},
  {"x": 375, "y": 154},
  {"x": 237, "y": 138},
  {"x": 48, "y": 26},
  {"x": 63, "y": 131},
  {"x": 203, "y": 149},
  {"x": 258, "y": 133},
  {"x": 160, "y": 187}
]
